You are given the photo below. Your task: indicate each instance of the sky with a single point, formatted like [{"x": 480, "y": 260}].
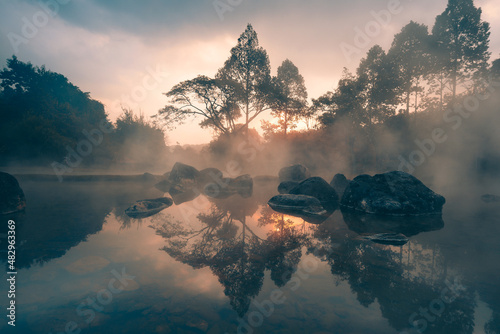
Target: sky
[{"x": 128, "y": 53}]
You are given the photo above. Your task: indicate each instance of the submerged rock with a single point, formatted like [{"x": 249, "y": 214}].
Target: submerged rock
[
  {"x": 394, "y": 239},
  {"x": 320, "y": 189},
  {"x": 301, "y": 204},
  {"x": 392, "y": 193},
  {"x": 339, "y": 183},
  {"x": 488, "y": 198},
  {"x": 12, "y": 198},
  {"x": 295, "y": 173},
  {"x": 287, "y": 186},
  {"x": 148, "y": 207}
]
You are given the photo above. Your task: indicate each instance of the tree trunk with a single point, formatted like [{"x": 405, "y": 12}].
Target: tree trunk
[
  {"x": 286, "y": 121},
  {"x": 408, "y": 94}
]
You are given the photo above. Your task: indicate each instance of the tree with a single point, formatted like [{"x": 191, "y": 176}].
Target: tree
[
  {"x": 137, "y": 140},
  {"x": 290, "y": 96},
  {"x": 249, "y": 67},
  {"x": 345, "y": 103},
  {"x": 378, "y": 80},
  {"x": 463, "y": 41},
  {"x": 212, "y": 99},
  {"x": 495, "y": 68},
  {"x": 410, "y": 52},
  {"x": 43, "y": 114}
]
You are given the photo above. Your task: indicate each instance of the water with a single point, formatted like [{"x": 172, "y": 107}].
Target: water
[{"x": 240, "y": 267}]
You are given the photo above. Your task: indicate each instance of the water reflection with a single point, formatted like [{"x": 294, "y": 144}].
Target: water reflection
[
  {"x": 62, "y": 215},
  {"x": 235, "y": 254},
  {"x": 248, "y": 247}
]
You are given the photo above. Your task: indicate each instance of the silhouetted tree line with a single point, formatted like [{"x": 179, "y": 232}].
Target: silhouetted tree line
[
  {"x": 44, "y": 117},
  {"x": 374, "y": 114}
]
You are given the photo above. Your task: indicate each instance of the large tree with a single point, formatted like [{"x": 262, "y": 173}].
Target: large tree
[
  {"x": 343, "y": 104},
  {"x": 379, "y": 83},
  {"x": 214, "y": 100},
  {"x": 42, "y": 113},
  {"x": 290, "y": 96},
  {"x": 249, "y": 67},
  {"x": 410, "y": 52},
  {"x": 463, "y": 41}
]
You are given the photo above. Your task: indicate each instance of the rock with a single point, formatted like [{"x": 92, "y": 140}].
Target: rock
[
  {"x": 287, "y": 186},
  {"x": 488, "y": 198},
  {"x": 148, "y": 207},
  {"x": 294, "y": 173},
  {"x": 243, "y": 185},
  {"x": 183, "y": 174},
  {"x": 12, "y": 198},
  {"x": 163, "y": 186},
  {"x": 183, "y": 181},
  {"x": 219, "y": 190},
  {"x": 320, "y": 189},
  {"x": 392, "y": 193},
  {"x": 226, "y": 187},
  {"x": 394, "y": 239},
  {"x": 148, "y": 177},
  {"x": 207, "y": 176},
  {"x": 339, "y": 183},
  {"x": 363, "y": 223},
  {"x": 299, "y": 204}
]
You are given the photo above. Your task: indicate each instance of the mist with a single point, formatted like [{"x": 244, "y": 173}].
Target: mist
[{"x": 342, "y": 182}]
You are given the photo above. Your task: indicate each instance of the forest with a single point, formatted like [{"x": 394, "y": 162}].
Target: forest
[{"x": 394, "y": 111}]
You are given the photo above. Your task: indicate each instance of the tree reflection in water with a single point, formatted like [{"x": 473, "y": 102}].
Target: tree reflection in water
[
  {"x": 233, "y": 251},
  {"x": 403, "y": 280}
]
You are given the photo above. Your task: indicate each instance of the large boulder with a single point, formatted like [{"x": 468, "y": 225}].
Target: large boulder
[
  {"x": 320, "y": 189},
  {"x": 392, "y": 193},
  {"x": 296, "y": 204},
  {"x": 208, "y": 176},
  {"x": 295, "y": 173},
  {"x": 339, "y": 183},
  {"x": 11, "y": 195},
  {"x": 183, "y": 174}
]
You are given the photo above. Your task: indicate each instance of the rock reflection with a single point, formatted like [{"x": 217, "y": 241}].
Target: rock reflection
[
  {"x": 408, "y": 225},
  {"x": 407, "y": 297}
]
